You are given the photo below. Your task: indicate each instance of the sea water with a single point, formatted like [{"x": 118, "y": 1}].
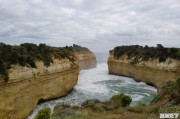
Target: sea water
[{"x": 96, "y": 83}]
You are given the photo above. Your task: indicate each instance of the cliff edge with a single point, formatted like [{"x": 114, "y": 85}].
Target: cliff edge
[
  {"x": 86, "y": 59},
  {"x": 27, "y": 86},
  {"x": 30, "y": 74},
  {"x": 152, "y": 65}
]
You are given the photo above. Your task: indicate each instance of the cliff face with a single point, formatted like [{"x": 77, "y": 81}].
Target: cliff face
[
  {"x": 150, "y": 71},
  {"x": 26, "y": 86},
  {"x": 86, "y": 59},
  {"x": 42, "y": 73}
]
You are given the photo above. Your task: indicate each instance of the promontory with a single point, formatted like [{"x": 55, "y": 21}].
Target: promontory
[
  {"x": 31, "y": 73},
  {"x": 152, "y": 65}
]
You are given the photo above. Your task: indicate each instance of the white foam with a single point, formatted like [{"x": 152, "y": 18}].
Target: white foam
[
  {"x": 137, "y": 97},
  {"x": 91, "y": 85}
]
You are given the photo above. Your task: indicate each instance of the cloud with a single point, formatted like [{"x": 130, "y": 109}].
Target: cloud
[
  {"x": 78, "y": 1},
  {"x": 100, "y": 25},
  {"x": 67, "y": 11}
]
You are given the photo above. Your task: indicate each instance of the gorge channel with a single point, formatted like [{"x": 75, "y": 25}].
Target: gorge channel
[{"x": 96, "y": 83}]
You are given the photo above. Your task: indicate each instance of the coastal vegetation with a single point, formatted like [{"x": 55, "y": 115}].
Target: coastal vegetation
[
  {"x": 43, "y": 113},
  {"x": 168, "y": 93},
  {"x": 65, "y": 111},
  {"x": 121, "y": 99},
  {"x": 167, "y": 101},
  {"x": 53, "y": 71},
  {"x": 28, "y": 53},
  {"x": 137, "y": 52},
  {"x": 78, "y": 48}
]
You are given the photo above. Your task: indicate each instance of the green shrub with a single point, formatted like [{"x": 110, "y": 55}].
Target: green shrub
[
  {"x": 26, "y": 55},
  {"x": 4, "y": 117},
  {"x": 178, "y": 81},
  {"x": 43, "y": 113},
  {"x": 126, "y": 100},
  {"x": 121, "y": 99},
  {"x": 65, "y": 111},
  {"x": 146, "y": 52}
]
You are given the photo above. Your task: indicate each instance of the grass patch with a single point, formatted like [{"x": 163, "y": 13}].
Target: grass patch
[{"x": 170, "y": 109}]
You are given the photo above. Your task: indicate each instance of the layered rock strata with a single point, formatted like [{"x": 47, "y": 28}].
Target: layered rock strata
[
  {"x": 26, "y": 86},
  {"x": 38, "y": 73},
  {"x": 150, "y": 71},
  {"x": 86, "y": 59}
]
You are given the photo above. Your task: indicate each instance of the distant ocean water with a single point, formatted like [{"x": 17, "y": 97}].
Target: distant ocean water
[
  {"x": 96, "y": 83},
  {"x": 101, "y": 57}
]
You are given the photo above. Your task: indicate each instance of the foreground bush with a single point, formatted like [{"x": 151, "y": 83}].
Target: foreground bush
[
  {"x": 178, "y": 81},
  {"x": 121, "y": 99},
  {"x": 168, "y": 93},
  {"x": 65, "y": 111},
  {"x": 43, "y": 113}
]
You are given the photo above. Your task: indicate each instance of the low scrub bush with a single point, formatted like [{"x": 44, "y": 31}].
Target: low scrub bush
[
  {"x": 178, "y": 81},
  {"x": 121, "y": 99},
  {"x": 43, "y": 113}
]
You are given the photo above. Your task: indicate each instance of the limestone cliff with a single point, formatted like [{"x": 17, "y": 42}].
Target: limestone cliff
[
  {"x": 26, "y": 86},
  {"x": 152, "y": 70},
  {"x": 86, "y": 59},
  {"x": 30, "y": 74}
]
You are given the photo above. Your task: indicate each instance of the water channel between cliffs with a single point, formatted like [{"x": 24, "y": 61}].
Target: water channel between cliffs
[{"x": 96, "y": 83}]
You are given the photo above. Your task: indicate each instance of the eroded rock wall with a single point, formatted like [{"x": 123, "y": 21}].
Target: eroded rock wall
[
  {"x": 151, "y": 72},
  {"x": 86, "y": 59},
  {"x": 26, "y": 86}
]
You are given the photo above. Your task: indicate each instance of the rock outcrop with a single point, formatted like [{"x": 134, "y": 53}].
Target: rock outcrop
[
  {"x": 27, "y": 86},
  {"x": 30, "y": 74},
  {"x": 86, "y": 59},
  {"x": 151, "y": 71}
]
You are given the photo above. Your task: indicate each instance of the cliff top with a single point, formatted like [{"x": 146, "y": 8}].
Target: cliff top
[
  {"x": 146, "y": 52},
  {"x": 26, "y": 54},
  {"x": 78, "y": 48}
]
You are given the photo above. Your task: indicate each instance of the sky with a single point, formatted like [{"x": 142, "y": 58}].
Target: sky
[{"x": 97, "y": 24}]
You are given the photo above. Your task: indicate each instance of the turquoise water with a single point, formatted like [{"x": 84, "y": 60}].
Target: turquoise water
[{"x": 96, "y": 83}]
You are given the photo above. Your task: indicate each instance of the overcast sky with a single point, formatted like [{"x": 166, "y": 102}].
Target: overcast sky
[{"x": 97, "y": 24}]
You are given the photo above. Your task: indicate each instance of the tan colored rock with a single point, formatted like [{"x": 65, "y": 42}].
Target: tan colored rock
[
  {"x": 26, "y": 86},
  {"x": 86, "y": 59},
  {"x": 151, "y": 71}
]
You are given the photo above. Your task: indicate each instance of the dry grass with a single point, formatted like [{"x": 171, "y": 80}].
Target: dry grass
[{"x": 122, "y": 113}]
